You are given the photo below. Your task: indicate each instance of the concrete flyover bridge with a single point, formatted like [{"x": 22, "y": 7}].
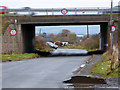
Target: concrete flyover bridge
[{"x": 25, "y": 26}]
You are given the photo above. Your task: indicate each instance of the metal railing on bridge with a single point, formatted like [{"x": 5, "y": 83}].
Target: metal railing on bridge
[{"x": 59, "y": 11}]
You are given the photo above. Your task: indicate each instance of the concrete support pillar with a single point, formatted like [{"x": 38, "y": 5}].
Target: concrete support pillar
[
  {"x": 104, "y": 36},
  {"x": 28, "y": 33}
]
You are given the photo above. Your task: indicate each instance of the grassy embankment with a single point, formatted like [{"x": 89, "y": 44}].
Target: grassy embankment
[
  {"x": 103, "y": 68},
  {"x": 9, "y": 57}
]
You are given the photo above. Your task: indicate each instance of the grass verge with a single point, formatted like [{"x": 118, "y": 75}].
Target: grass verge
[
  {"x": 72, "y": 47},
  {"x": 6, "y": 57},
  {"x": 103, "y": 68}
]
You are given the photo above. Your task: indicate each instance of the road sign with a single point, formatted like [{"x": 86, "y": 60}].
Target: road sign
[
  {"x": 64, "y": 11},
  {"x": 48, "y": 37},
  {"x": 13, "y": 32},
  {"x": 113, "y": 29}
]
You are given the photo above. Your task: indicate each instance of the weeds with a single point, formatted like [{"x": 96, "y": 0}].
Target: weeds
[
  {"x": 104, "y": 68},
  {"x": 40, "y": 45},
  {"x": 91, "y": 44},
  {"x": 9, "y": 57}
]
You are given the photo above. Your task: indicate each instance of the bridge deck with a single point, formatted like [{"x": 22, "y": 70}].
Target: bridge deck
[{"x": 70, "y": 19}]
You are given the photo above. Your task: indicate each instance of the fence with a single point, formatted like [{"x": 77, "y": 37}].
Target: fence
[{"x": 59, "y": 11}]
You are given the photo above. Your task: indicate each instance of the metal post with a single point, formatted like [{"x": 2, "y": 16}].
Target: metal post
[
  {"x": 13, "y": 46},
  {"x": 75, "y": 11},
  {"x": 52, "y": 11},
  {"x": 29, "y": 12},
  {"x": 98, "y": 11},
  {"x": 46, "y": 12}
]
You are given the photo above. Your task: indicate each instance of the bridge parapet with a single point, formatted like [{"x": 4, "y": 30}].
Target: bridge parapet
[{"x": 57, "y": 11}]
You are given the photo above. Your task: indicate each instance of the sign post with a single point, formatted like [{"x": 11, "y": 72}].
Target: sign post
[
  {"x": 112, "y": 29},
  {"x": 13, "y": 32}
]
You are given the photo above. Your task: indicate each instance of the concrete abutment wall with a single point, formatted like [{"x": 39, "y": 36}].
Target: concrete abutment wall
[
  {"x": 24, "y": 41},
  {"x": 7, "y": 40}
]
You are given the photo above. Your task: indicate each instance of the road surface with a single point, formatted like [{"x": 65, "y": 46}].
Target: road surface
[
  {"x": 68, "y": 52},
  {"x": 45, "y": 72}
]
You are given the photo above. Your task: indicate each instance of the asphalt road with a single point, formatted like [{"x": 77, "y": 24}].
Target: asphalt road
[
  {"x": 47, "y": 72},
  {"x": 69, "y": 52}
]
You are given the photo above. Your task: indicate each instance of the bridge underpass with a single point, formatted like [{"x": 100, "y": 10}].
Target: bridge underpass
[
  {"x": 25, "y": 26},
  {"x": 28, "y": 31}
]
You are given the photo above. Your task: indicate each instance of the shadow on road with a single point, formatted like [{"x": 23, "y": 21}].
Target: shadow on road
[
  {"x": 51, "y": 54},
  {"x": 95, "y": 52}
]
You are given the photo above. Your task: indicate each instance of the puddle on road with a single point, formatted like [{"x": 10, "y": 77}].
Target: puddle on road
[{"x": 83, "y": 81}]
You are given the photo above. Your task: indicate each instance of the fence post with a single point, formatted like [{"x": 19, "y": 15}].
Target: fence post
[{"x": 46, "y": 12}]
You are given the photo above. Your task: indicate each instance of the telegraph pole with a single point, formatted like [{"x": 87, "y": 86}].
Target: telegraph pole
[
  {"x": 111, "y": 34},
  {"x": 111, "y": 15}
]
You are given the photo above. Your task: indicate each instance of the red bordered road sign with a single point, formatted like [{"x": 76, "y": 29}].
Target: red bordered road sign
[
  {"x": 64, "y": 11},
  {"x": 13, "y": 32},
  {"x": 113, "y": 29}
]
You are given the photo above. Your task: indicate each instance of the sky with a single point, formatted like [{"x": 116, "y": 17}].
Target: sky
[
  {"x": 57, "y": 3},
  {"x": 77, "y": 29}
]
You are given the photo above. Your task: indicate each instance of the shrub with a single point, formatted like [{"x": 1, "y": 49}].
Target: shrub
[
  {"x": 91, "y": 43},
  {"x": 41, "y": 46}
]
